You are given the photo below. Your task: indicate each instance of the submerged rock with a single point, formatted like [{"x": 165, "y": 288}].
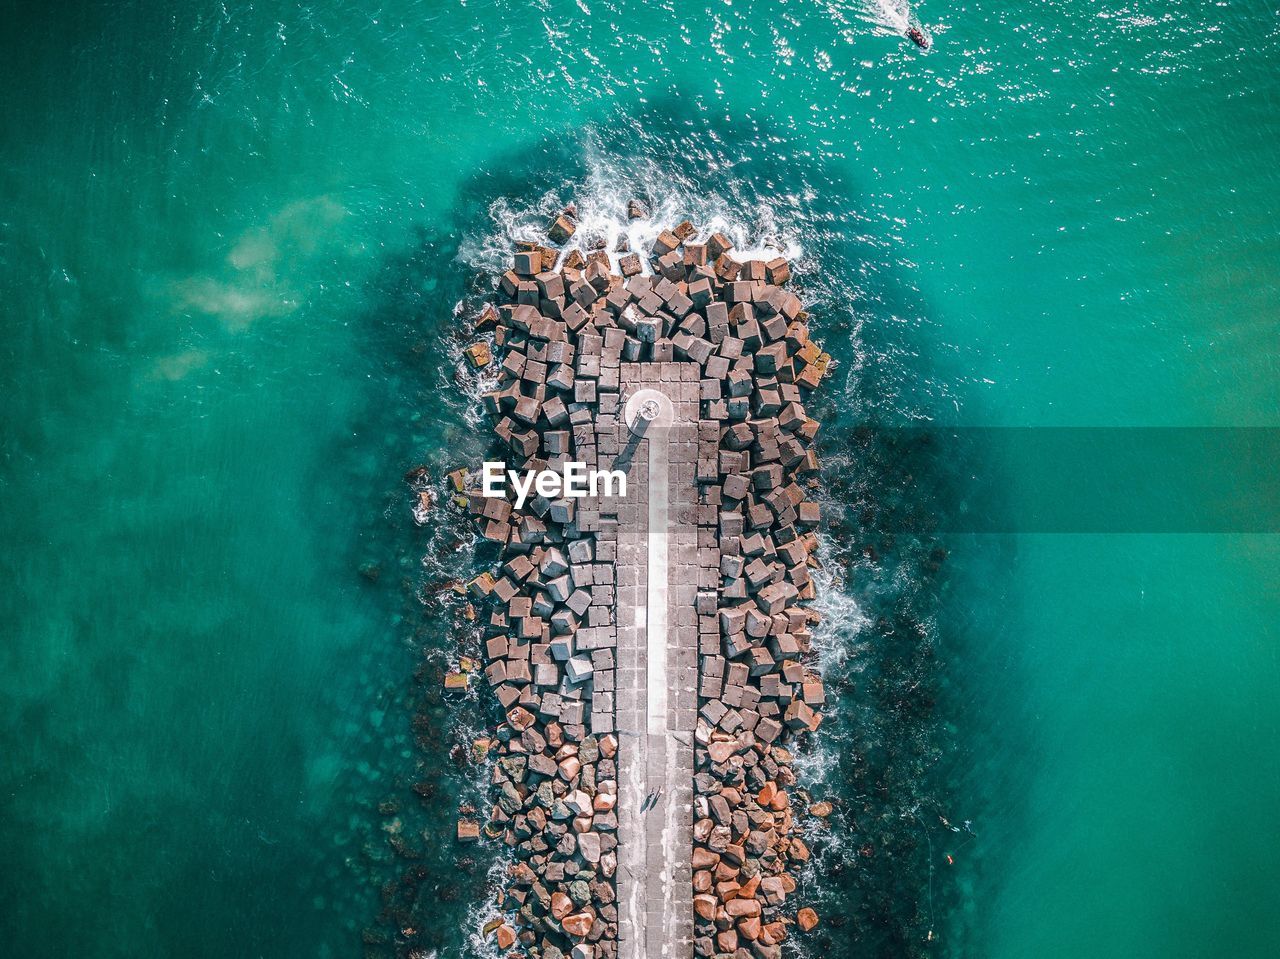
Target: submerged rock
[{"x": 422, "y": 507}]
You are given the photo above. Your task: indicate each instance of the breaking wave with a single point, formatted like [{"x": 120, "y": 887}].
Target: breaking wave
[{"x": 601, "y": 198}]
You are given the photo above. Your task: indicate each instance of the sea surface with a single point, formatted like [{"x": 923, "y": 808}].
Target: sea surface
[{"x": 233, "y": 238}]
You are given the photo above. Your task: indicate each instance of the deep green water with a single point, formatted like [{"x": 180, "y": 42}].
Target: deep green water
[{"x": 229, "y": 241}]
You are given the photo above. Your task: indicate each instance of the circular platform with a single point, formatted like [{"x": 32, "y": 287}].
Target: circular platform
[{"x": 648, "y": 408}]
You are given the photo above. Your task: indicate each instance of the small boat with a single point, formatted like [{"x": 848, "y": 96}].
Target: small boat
[{"x": 916, "y": 36}]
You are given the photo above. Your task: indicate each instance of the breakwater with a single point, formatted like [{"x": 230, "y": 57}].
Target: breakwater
[{"x": 649, "y": 647}]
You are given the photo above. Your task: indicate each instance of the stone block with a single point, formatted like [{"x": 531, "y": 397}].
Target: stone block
[
  {"x": 528, "y": 263},
  {"x": 665, "y": 243},
  {"x": 578, "y": 669}
]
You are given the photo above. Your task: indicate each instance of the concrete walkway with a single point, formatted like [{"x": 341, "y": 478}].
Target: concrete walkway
[
  {"x": 655, "y": 429},
  {"x": 657, "y": 580}
]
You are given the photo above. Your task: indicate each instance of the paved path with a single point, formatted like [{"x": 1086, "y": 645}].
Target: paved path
[
  {"x": 657, "y": 581},
  {"x": 649, "y": 414}
]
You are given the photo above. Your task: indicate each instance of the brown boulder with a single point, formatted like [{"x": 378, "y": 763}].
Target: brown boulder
[
  {"x": 720, "y": 810},
  {"x": 725, "y": 871},
  {"x": 520, "y": 718},
  {"x": 721, "y": 751},
  {"x": 506, "y": 936},
  {"x": 561, "y": 905},
  {"x": 555, "y": 735},
  {"x": 773, "y": 933},
  {"x": 704, "y": 858},
  {"x": 578, "y": 925},
  {"x": 705, "y": 906},
  {"x": 772, "y": 890},
  {"x": 589, "y": 847},
  {"x": 806, "y": 919},
  {"x": 727, "y": 890}
]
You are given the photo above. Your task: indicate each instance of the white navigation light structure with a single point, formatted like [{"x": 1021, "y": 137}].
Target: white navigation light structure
[{"x": 646, "y": 408}]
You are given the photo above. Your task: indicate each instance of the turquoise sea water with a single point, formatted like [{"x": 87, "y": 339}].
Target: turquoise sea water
[{"x": 231, "y": 240}]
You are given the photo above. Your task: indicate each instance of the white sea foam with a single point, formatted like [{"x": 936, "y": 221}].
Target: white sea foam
[
  {"x": 838, "y": 637},
  {"x": 485, "y": 911},
  {"x": 840, "y": 644},
  {"x": 757, "y": 230},
  {"x": 471, "y": 384}
]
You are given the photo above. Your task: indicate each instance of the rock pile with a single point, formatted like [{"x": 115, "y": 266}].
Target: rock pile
[
  {"x": 754, "y": 633},
  {"x": 564, "y": 327}
]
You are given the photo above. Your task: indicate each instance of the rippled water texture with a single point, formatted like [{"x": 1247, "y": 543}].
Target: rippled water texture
[{"x": 232, "y": 238}]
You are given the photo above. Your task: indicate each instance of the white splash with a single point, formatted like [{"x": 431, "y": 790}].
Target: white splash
[{"x": 602, "y": 220}]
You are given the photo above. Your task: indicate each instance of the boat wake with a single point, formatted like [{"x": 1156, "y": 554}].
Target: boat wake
[
  {"x": 894, "y": 18},
  {"x": 891, "y": 16}
]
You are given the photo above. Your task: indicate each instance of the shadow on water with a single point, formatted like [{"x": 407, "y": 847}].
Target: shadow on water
[
  {"x": 426, "y": 883},
  {"x": 887, "y": 754}
]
